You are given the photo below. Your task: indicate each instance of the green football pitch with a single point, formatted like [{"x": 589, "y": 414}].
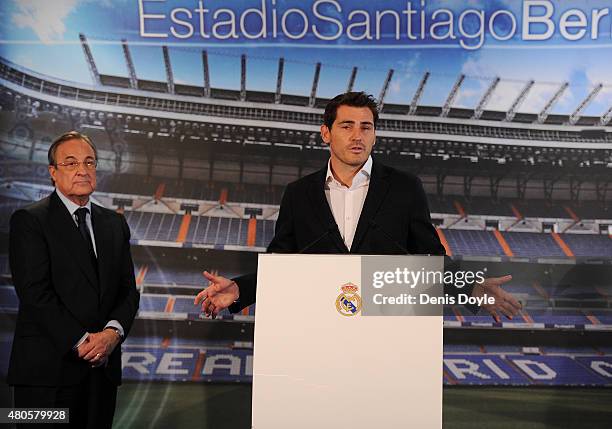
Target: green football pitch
[{"x": 228, "y": 406}]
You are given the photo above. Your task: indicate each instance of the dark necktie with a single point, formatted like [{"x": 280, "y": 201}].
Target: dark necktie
[{"x": 81, "y": 214}]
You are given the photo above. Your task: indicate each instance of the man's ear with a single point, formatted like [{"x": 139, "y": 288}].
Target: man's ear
[
  {"x": 52, "y": 171},
  {"x": 325, "y": 134}
]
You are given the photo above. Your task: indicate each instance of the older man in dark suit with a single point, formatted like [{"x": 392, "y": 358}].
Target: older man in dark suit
[
  {"x": 73, "y": 273},
  {"x": 353, "y": 205}
]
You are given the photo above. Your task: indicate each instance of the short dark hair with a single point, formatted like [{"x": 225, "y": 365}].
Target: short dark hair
[
  {"x": 353, "y": 99},
  {"x": 70, "y": 135}
]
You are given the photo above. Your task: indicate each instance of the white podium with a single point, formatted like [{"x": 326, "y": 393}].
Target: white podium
[{"x": 315, "y": 367}]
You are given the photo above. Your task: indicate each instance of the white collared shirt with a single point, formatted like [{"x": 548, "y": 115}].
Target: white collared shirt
[
  {"x": 72, "y": 208},
  {"x": 345, "y": 202}
]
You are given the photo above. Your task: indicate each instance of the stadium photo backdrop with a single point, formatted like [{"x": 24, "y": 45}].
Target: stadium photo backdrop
[{"x": 202, "y": 111}]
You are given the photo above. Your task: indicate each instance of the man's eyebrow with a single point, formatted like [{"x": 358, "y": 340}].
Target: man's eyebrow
[
  {"x": 74, "y": 158},
  {"x": 352, "y": 122}
]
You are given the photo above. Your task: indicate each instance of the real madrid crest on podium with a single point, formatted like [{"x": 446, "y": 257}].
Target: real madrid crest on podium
[{"x": 348, "y": 302}]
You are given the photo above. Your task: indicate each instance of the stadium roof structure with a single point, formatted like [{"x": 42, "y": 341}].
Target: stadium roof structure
[
  {"x": 513, "y": 114},
  {"x": 154, "y": 99},
  {"x": 282, "y": 131}
]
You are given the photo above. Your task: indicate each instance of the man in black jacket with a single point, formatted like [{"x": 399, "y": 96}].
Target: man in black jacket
[
  {"x": 354, "y": 205},
  {"x": 73, "y": 273}
]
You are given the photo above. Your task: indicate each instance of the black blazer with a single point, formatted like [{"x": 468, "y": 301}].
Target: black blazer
[
  {"x": 62, "y": 295},
  {"x": 395, "y": 220}
]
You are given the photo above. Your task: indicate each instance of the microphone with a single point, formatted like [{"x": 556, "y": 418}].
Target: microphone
[
  {"x": 374, "y": 225},
  {"x": 327, "y": 232}
]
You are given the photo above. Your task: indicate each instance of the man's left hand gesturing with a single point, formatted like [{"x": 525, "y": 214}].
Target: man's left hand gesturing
[{"x": 505, "y": 303}]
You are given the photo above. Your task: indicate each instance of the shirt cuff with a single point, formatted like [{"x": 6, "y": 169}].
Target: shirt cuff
[
  {"x": 81, "y": 341},
  {"x": 115, "y": 324}
]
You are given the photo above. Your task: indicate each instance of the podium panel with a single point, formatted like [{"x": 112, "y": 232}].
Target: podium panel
[{"x": 316, "y": 366}]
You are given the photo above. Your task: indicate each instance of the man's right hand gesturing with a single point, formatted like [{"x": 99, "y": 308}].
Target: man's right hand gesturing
[{"x": 220, "y": 294}]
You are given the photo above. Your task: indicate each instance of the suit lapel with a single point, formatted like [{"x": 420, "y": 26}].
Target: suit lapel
[
  {"x": 377, "y": 191},
  {"x": 69, "y": 234},
  {"x": 320, "y": 206},
  {"x": 104, "y": 243}
]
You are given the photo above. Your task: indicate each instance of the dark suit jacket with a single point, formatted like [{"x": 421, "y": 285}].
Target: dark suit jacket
[
  {"x": 395, "y": 220},
  {"x": 62, "y": 295}
]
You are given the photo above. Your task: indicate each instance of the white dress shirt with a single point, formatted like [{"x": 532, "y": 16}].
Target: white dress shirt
[
  {"x": 72, "y": 208},
  {"x": 345, "y": 202}
]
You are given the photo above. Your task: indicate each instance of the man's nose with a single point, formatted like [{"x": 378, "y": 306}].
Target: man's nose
[{"x": 81, "y": 170}]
